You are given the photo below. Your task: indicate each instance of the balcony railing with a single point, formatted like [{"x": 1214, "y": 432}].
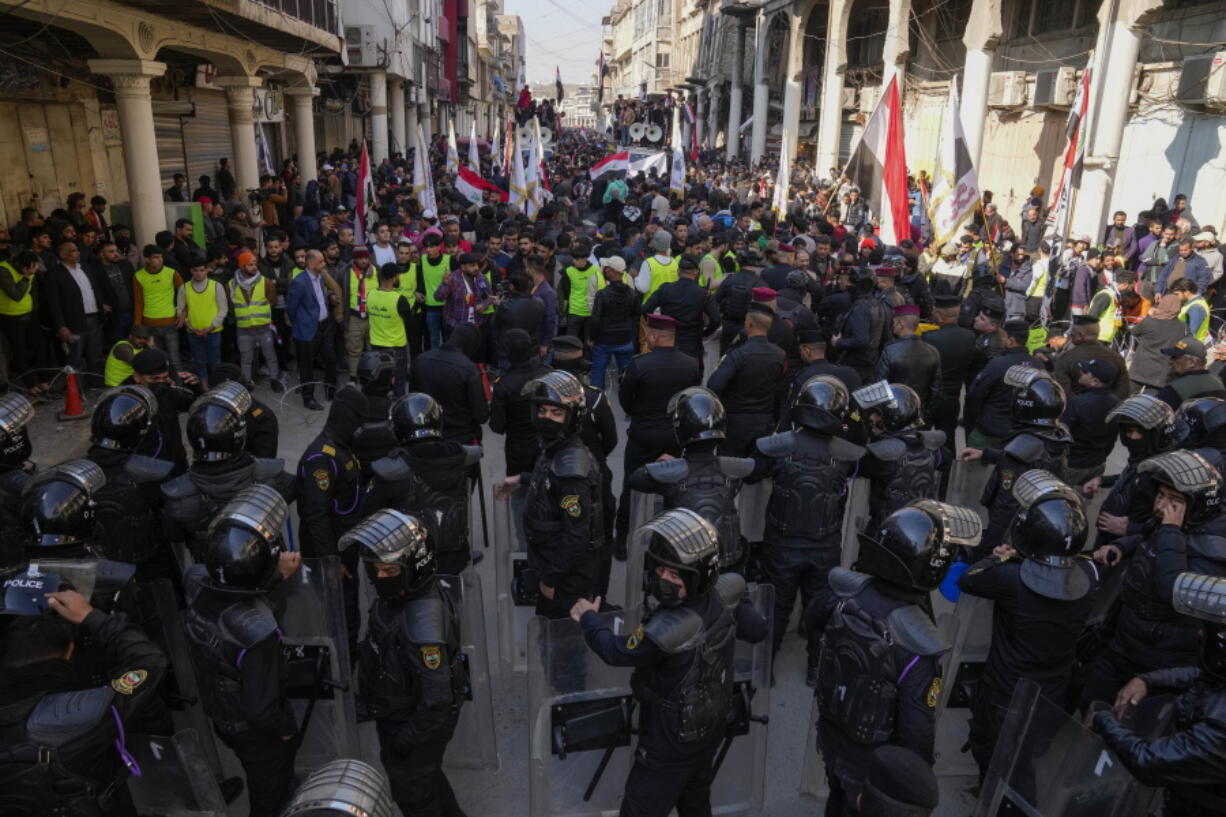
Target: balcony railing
[{"x": 321, "y": 14}]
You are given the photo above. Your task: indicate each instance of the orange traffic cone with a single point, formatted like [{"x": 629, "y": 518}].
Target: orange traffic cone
[{"x": 74, "y": 403}]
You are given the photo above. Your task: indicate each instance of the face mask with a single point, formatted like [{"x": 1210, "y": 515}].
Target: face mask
[
  {"x": 388, "y": 588},
  {"x": 549, "y": 431},
  {"x": 576, "y": 366},
  {"x": 659, "y": 592},
  {"x": 1137, "y": 449}
]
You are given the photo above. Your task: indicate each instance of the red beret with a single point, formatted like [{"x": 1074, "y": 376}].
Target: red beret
[
  {"x": 906, "y": 309},
  {"x": 885, "y": 272},
  {"x": 764, "y": 294},
  {"x": 655, "y": 321}
]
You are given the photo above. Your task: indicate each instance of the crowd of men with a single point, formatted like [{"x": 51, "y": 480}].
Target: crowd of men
[{"x": 840, "y": 358}]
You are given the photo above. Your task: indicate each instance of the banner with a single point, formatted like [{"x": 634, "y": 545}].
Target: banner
[
  {"x": 518, "y": 194},
  {"x": 453, "y": 152},
  {"x": 879, "y": 166},
  {"x": 955, "y": 188},
  {"x": 474, "y": 153},
  {"x": 779, "y": 200},
  {"x": 364, "y": 210},
  {"x": 1057, "y": 225},
  {"x": 471, "y": 185},
  {"x": 613, "y": 163},
  {"x": 423, "y": 184}
]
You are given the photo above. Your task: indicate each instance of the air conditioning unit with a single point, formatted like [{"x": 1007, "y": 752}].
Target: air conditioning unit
[
  {"x": 868, "y": 99},
  {"x": 1055, "y": 88},
  {"x": 850, "y": 100},
  {"x": 1202, "y": 82},
  {"x": 360, "y": 46},
  {"x": 1007, "y": 89}
]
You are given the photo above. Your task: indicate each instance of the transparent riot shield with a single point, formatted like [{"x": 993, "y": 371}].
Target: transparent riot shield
[
  {"x": 1048, "y": 765},
  {"x": 813, "y": 770},
  {"x": 172, "y": 776},
  {"x": 751, "y": 507},
  {"x": 516, "y": 598},
  {"x": 583, "y": 716},
  {"x": 82, "y": 574},
  {"x": 310, "y": 609},
  {"x": 969, "y": 631},
  {"x": 710, "y": 353},
  {"x": 180, "y": 690},
  {"x": 643, "y": 508},
  {"x": 474, "y": 744},
  {"x": 855, "y": 519},
  {"x": 966, "y": 483}
]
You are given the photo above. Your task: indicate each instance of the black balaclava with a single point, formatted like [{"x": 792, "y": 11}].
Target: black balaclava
[
  {"x": 466, "y": 338},
  {"x": 349, "y": 410}
]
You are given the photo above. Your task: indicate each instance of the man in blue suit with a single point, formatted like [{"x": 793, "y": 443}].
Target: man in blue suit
[{"x": 310, "y": 318}]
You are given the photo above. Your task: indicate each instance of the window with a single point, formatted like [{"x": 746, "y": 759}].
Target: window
[
  {"x": 1034, "y": 17},
  {"x": 661, "y": 60},
  {"x": 866, "y": 37},
  {"x": 1050, "y": 17}
]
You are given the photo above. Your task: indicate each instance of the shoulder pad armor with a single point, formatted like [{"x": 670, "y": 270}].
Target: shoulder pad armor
[
  {"x": 249, "y": 621},
  {"x": 736, "y": 467},
  {"x": 668, "y": 471},
  {"x": 147, "y": 469},
  {"x": 932, "y": 440},
  {"x": 730, "y": 587},
  {"x": 1209, "y": 545},
  {"x": 62, "y": 716},
  {"x": 889, "y": 449},
  {"x": 181, "y": 487},
  {"x": 472, "y": 454},
  {"x": 13, "y": 482},
  {"x": 915, "y": 632},
  {"x": 674, "y": 630},
  {"x": 391, "y": 469},
  {"x": 424, "y": 621},
  {"x": 266, "y": 470},
  {"x": 572, "y": 461},
  {"x": 847, "y": 583},
  {"x": 1026, "y": 447},
  {"x": 777, "y": 445},
  {"x": 844, "y": 451},
  {"x": 110, "y": 574}
]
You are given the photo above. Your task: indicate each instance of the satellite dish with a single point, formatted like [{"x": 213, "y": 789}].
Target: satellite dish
[
  {"x": 655, "y": 133},
  {"x": 637, "y": 130}
]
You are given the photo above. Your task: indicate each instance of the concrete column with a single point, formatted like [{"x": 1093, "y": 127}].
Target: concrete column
[
  {"x": 717, "y": 94},
  {"x": 240, "y": 96},
  {"x": 378, "y": 117},
  {"x": 423, "y": 119},
  {"x": 734, "y": 94},
  {"x": 700, "y": 116},
  {"x": 396, "y": 114},
  {"x": 410, "y": 126},
  {"x": 1119, "y": 42},
  {"x": 791, "y": 91},
  {"x": 761, "y": 94},
  {"x": 830, "y": 118},
  {"x": 304, "y": 128},
  {"x": 983, "y": 32},
  {"x": 897, "y": 44},
  {"x": 130, "y": 79}
]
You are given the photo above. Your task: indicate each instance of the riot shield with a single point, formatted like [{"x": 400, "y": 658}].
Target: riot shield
[
  {"x": 314, "y": 639},
  {"x": 473, "y": 745},
  {"x": 969, "y": 631},
  {"x": 751, "y": 507},
  {"x": 643, "y": 509},
  {"x": 583, "y": 716},
  {"x": 81, "y": 573},
  {"x": 516, "y": 598},
  {"x": 710, "y": 353},
  {"x": 813, "y": 770},
  {"x": 966, "y": 483},
  {"x": 1048, "y": 765},
  {"x": 172, "y": 776},
  {"x": 855, "y": 519}
]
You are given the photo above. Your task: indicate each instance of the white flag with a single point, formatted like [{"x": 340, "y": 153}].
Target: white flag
[
  {"x": 518, "y": 194},
  {"x": 676, "y": 182},
  {"x": 955, "y": 186},
  {"x": 453, "y": 152},
  {"x": 474, "y": 155},
  {"x": 423, "y": 184},
  {"x": 779, "y": 201}
]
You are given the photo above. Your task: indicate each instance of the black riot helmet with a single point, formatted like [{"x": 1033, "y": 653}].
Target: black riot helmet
[
  {"x": 1204, "y": 597},
  {"x": 122, "y": 418},
  {"x": 561, "y": 389},
  {"x": 57, "y": 505},
  {"x": 1197, "y": 421},
  {"x": 821, "y": 405},
  {"x": 1152, "y": 417},
  {"x": 697, "y": 415},
  {"x": 897, "y": 405},
  {"x": 15, "y": 413},
  {"x": 682, "y": 540},
  {"x": 243, "y": 545},
  {"x": 416, "y": 416},
  {"x": 1038, "y": 400},
  {"x": 391, "y": 537},
  {"x": 917, "y": 544},
  {"x": 1049, "y": 530},
  {"x": 1190, "y": 474},
  {"x": 217, "y": 423},
  {"x": 376, "y": 371}
]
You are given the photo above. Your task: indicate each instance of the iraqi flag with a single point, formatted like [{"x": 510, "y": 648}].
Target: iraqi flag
[
  {"x": 1057, "y": 226},
  {"x": 365, "y": 208},
  {"x": 471, "y": 185},
  {"x": 879, "y": 166},
  {"x": 613, "y": 163}
]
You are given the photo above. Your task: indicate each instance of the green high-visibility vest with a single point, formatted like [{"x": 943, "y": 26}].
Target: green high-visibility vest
[
  {"x": 1202, "y": 331},
  {"x": 158, "y": 291},
  {"x": 7, "y": 305},
  {"x": 386, "y": 326},
  {"x": 579, "y": 278},
  {"x": 661, "y": 273},
  {"x": 116, "y": 371},
  {"x": 254, "y": 312},
  {"x": 433, "y": 273},
  {"x": 202, "y": 306}
]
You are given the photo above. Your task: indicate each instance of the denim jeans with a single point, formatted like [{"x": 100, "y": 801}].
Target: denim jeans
[
  {"x": 600, "y": 360},
  {"x": 434, "y": 326},
  {"x": 206, "y": 352}
]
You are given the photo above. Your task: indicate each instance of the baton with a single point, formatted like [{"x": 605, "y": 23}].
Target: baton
[{"x": 485, "y": 528}]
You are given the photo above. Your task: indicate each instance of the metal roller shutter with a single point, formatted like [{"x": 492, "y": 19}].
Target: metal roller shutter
[
  {"x": 170, "y": 148},
  {"x": 849, "y": 135},
  {"x": 206, "y": 136}
]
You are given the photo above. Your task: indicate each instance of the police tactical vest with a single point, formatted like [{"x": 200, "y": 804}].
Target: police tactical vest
[
  {"x": 737, "y": 298},
  {"x": 129, "y": 524},
  {"x": 709, "y": 486},
  {"x": 914, "y": 461},
  {"x": 806, "y": 500}
]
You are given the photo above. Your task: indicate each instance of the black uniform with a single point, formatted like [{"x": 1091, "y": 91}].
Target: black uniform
[
  {"x": 50, "y": 713},
  {"x": 1023, "y": 451},
  {"x": 678, "y": 653},
  {"x": 879, "y": 676},
  {"x": 374, "y": 439},
  {"x": 128, "y": 513},
  {"x": 1093, "y": 437},
  {"x": 263, "y": 430},
  {"x": 911, "y": 362},
  {"x": 599, "y": 434},
  {"x": 449, "y": 376},
  {"x": 989, "y": 400},
  {"x": 748, "y": 381},
  {"x": 511, "y": 414},
  {"x": 243, "y": 677},
  {"x": 987, "y": 347},
  {"x": 412, "y": 681},
  {"x": 864, "y": 331},
  {"x": 733, "y": 297},
  {"x": 12, "y": 533},
  {"x": 563, "y": 523},
  {"x": 649, "y": 383},
  {"x": 813, "y": 368},
  {"x": 693, "y": 308},
  {"x": 1033, "y": 637},
  {"x": 804, "y": 516},
  {"x": 955, "y": 347},
  {"x": 901, "y": 468},
  {"x": 167, "y": 443}
]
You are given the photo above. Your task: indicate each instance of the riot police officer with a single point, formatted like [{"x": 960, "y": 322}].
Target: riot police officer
[
  {"x": 1041, "y": 603},
  {"x": 879, "y": 677},
  {"x": 1145, "y": 425},
  {"x": 374, "y": 439},
  {"x": 902, "y": 459},
  {"x": 412, "y": 675},
  {"x": 682, "y": 656},
  {"x": 175, "y": 393},
  {"x": 699, "y": 479},
  {"x": 427, "y": 477},
  {"x": 989, "y": 397},
  {"x": 562, "y": 514},
  {"x": 129, "y": 505},
  {"x": 1200, "y": 425},
  {"x": 749, "y": 381},
  {"x": 510, "y": 409},
  {"x": 810, "y": 467},
  {"x": 221, "y": 466},
  {"x": 1038, "y": 440},
  {"x": 263, "y": 430},
  {"x": 1189, "y": 761},
  {"x": 1185, "y": 534},
  {"x": 233, "y": 630},
  {"x": 15, "y": 467},
  {"x": 955, "y": 345}
]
